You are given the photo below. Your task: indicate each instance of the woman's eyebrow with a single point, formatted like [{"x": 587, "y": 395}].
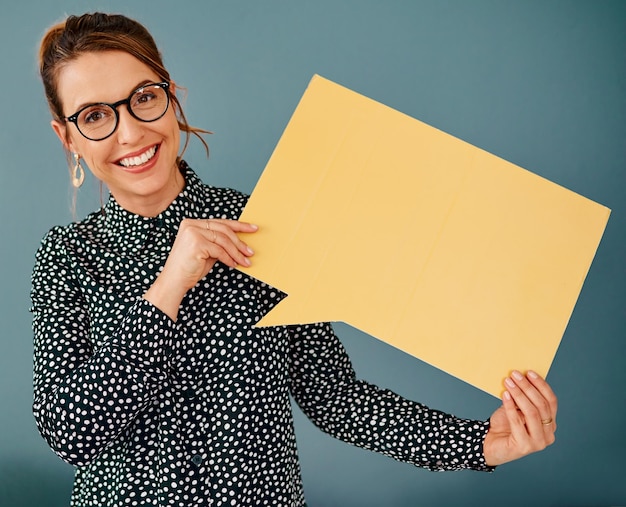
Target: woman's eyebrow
[{"x": 136, "y": 87}]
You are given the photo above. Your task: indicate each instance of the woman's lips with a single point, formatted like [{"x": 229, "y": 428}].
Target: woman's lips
[
  {"x": 139, "y": 158},
  {"x": 142, "y": 162}
]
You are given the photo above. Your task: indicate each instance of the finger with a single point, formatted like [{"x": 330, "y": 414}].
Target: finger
[
  {"x": 546, "y": 391},
  {"x": 222, "y": 234},
  {"x": 549, "y": 422},
  {"x": 227, "y": 251},
  {"x": 212, "y": 239},
  {"x": 234, "y": 225},
  {"x": 523, "y": 392},
  {"x": 230, "y": 228},
  {"x": 530, "y": 412},
  {"x": 541, "y": 405},
  {"x": 214, "y": 251},
  {"x": 515, "y": 418},
  {"x": 542, "y": 398}
]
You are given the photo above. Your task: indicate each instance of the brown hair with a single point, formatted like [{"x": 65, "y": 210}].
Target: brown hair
[{"x": 67, "y": 40}]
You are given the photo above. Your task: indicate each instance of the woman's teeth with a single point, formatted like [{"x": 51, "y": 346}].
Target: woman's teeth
[{"x": 141, "y": 159}]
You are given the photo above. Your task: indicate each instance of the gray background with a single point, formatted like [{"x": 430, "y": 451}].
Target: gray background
[{"x": 539, "y": 83}]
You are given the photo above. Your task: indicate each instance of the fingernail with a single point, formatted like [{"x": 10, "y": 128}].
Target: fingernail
[
  {"x": 246, "y": 261},
  {"x": 506, "y": 395},
  {"x": 250, "y": 251},
  {"x": 517, "y": 375},
  {"x": 532, "y": 374},
  {"x": 254, "y": 226},
  {"x": 509, "y": 383}
]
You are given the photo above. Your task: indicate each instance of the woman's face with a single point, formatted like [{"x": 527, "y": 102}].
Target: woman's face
[{"x": 145, "y": 188}]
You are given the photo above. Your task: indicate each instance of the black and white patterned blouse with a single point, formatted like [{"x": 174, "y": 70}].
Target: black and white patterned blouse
[{"x": 197, "y": 412}]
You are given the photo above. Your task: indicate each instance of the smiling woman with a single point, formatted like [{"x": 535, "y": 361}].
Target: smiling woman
[
  {"x": 149, "y": 374},
  {"x": 79, "y": 53},
  {"x": 86, "y": 85}
]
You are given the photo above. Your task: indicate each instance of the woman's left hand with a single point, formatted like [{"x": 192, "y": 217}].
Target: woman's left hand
[{"x": 526, "y": 421}]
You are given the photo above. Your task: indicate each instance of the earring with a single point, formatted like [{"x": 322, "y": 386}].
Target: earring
[{"x": 78, "y": 174}]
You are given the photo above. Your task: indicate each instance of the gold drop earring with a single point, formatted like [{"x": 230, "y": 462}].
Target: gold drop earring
[{"x": 78, "y": 174}]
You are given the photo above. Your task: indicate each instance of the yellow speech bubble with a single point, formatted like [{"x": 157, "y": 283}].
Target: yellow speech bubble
[{"x": 445, "y": 251}]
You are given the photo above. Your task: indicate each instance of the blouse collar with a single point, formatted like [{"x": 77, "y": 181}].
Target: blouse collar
[{"x": 135, "y": 228}]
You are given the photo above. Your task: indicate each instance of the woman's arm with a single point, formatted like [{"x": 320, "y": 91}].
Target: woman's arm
[
  {"x": 324, "y": 385},
  {"x": 84, "y": 398}
]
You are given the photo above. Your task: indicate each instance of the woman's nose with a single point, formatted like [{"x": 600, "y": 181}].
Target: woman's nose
[{"x": 129, "y": 128}]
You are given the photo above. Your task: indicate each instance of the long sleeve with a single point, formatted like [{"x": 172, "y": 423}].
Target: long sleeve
[
  {"x": 324, "y": 385},
  {"x": 86, "y": 395}
]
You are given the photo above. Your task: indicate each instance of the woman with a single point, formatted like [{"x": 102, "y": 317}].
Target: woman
[{"x": 149, "y": 376}]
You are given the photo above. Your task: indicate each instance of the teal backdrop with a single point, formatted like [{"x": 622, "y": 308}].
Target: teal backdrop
[{"x": 541, "y": 83}]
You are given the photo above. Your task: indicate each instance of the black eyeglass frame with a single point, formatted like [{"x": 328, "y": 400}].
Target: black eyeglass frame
[{"x": 74, "y": 118}]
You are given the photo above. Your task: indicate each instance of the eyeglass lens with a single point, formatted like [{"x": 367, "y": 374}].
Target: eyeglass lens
[{"x": 98, "y": 121}]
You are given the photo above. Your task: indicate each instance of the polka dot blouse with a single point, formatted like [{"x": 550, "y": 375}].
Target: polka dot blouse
[{"x": 153, "y": 412}]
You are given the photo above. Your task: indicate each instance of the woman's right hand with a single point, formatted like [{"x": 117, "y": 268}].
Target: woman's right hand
[{"x": 198, "y": 246}]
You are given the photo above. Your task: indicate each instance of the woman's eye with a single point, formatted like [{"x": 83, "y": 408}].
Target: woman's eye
[
  {"x": 94, "y": 116},
  {"x": 143, "y": 97}
]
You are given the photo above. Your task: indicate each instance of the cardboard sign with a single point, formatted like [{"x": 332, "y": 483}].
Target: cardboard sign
[{"x": 445, "y": 251}]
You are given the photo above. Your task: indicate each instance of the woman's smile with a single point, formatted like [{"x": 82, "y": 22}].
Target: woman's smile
[{"x": 142, "y": 161}]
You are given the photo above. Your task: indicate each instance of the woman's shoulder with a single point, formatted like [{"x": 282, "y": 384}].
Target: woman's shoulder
[{"x": 60, "y": 234}]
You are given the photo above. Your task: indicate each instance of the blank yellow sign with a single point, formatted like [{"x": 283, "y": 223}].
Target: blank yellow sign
[{"x": 445, "y": 251}]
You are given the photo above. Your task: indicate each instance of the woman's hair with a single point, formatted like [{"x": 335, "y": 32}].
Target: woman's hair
[{"x": 67, "y": 40}]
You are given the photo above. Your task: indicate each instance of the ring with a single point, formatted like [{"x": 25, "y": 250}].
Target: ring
[{"x": 545, "y": 422}]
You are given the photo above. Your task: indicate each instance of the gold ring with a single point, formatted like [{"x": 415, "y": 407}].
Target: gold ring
[{"x": 545, "y": 422}]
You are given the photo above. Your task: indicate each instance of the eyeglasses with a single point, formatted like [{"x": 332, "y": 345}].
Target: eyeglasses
[{"x": 98, "y": 121}]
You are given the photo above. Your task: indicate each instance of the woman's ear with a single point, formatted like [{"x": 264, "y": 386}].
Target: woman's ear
[{"x": 60, "y": 129}]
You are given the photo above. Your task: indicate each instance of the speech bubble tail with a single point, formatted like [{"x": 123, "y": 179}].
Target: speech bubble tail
[{"x": 290, "y": 310}]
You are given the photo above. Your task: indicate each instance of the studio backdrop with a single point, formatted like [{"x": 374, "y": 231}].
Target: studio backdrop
[{"x": 539, "y": 83}]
